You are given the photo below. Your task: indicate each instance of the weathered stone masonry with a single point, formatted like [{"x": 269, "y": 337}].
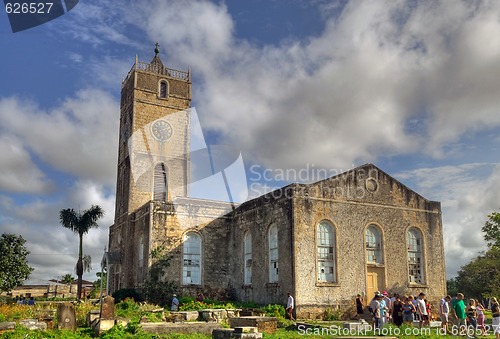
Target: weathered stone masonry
[{"x": 380, "y": 235}]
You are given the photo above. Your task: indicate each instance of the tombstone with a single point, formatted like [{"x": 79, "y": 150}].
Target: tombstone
[
  {"x": 108, "y": 308},
  {"x": 66, "y": 317},
  {"x": 107, "y": 319}
]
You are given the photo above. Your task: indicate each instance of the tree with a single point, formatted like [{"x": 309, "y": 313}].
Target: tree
[
  {"x": 80, "y": 223},
  {"x": 491, "y": 230},
  {"x": 14, "y": 267},
  {"x": 480, "y": 278},
  {"x": 67, "y": 279},
  {"x": 100, "y": 281},
  {"x": 156, "y": 288}
]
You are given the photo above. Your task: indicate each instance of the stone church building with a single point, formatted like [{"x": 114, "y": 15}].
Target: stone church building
[{"x": 325, "y": 242}]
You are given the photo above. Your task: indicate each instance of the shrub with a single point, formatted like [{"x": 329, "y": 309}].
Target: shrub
[
  {"x": 125, "y": 293},
  {"x": 329, "y": 314},
  {"x": 274, "y": 310}
]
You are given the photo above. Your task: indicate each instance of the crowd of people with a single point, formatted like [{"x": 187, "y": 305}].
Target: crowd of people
[
  {"x": 452, "y": 311},
  {"x": 21, "y": 300}
]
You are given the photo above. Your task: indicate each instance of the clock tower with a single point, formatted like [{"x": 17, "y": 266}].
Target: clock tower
[{"x": 153, "y": 152}]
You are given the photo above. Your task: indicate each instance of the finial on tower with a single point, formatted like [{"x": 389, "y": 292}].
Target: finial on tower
[{"x": 157, "y": 48}]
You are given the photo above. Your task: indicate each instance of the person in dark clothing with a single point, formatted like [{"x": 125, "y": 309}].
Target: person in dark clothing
[
  {"x": 359, "y": 306},
  {"x": 397, "y": 311}
]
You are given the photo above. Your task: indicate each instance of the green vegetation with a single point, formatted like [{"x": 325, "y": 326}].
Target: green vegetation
[
  {"x": 14, "y": 267},
  {"x": 480, "y": 278},
  {"x": 156, "y": 289},
  {"x": 126, "y": 293}
]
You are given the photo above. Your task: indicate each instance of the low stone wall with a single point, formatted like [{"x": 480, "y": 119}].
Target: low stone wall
[
  {"x": 266, "y": 325},
  {"x": 185, "y": 328},
  {"x": 237, "y": 333}
]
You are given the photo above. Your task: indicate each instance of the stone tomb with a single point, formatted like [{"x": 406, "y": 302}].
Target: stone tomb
[
  {"x": 66, "y": 317},
  {"x": 237, "y": 333},
  {"x": 107, "y": 316},
  {"x": 266, "y": 325}
]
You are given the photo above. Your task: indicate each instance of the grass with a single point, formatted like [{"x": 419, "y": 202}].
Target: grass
[{"x": 129, "y": 309}]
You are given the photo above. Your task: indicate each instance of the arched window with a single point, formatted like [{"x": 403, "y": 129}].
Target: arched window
[
  {"x": 160, "y": 182},
  {"x": 326, "y": 252},
  {"x": 415, "y": 257},
  {"x": 191, "y": 271},
  {"x": 273, "y": 254},
  {"x": 373, "y": 238},
  {"x": 163, "y": 89},
  {"x": 141, "y": 251},
  {"x": 248, "y": 258}
]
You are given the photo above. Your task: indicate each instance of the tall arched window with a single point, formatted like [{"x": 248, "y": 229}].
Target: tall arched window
[
  {"x": 191, "y": 271},
  {"x": 326, "y": 252},
  {"x": 248, "y": 258},
  {"x": 163, "y": 89},
  {"x": 373, "y": 238},
  {"x": 160, "y": 182},
  {"x": 273, "y": 254},
  {"x": 415, "y": 257},
  {"x": 141, "y": 251}
]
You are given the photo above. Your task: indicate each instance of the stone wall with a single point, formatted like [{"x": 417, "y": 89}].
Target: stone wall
[
  {"x": 257, "y": 216},
  {"x": 393, "y": 208}
]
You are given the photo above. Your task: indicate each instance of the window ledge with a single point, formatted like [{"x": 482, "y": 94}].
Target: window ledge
[
  {"x": 415, "y": 285},
  {"x": 327, "y": 284},
  {"x": 371, "y": 264},
  {"x": 273, "y": 285}
]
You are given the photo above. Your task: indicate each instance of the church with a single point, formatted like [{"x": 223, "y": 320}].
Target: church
[{"x": 324, "y": 242}]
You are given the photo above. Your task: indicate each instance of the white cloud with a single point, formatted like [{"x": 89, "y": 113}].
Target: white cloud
[
  {"x": 54, "y": 249},
  {"x": 348, "y": 95},
  {"x": 19, "y": 173},
  {"x": 78, "y": 137},
  {"x": 468, "y": 193}
]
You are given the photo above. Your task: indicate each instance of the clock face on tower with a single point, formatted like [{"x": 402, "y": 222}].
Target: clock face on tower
[{"x": 161, "y": 130}]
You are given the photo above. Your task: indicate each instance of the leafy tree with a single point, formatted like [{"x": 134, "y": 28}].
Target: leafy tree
[
  {"x": 480, "y": 278},
  {"x": 101, "y": 276},
  {"x": 491, "y": 230},
  {"x": 14, "y": 267},
  {"x": 452, "y": 286},
  {"x": 156, "y": 289},
  {"x": 80, "y": 223},
  {"x": 67, "y": 279}
]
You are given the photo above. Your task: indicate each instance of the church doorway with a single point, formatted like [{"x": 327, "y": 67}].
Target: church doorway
[{"x": 375, "y": 281}]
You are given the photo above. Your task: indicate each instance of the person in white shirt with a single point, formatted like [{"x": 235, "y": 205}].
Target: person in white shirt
[
  {"x": 444, "y": 311},
  {"x": 290, "y": 306},
  {"x": 422, "y": 310},
  {"x": 175, "y": 304}
]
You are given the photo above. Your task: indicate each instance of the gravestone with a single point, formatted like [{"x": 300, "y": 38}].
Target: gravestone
[
  {"x": 108, "y": 308},
  {"x": 66, "y": 317}
]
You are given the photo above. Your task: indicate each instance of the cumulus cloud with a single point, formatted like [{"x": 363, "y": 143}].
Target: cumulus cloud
[
  {"x": 19, "y": 173},
  {"x": 469, "y": 194},
  {"x": 54, "y": 249},
  {"x": 78, "y": 137},
  {"x": 382, "y": 78}
]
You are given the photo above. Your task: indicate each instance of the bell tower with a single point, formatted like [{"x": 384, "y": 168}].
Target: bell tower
[{"x": 154, "y": 142}]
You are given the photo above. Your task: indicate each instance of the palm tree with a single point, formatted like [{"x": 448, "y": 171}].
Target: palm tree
[
  {"x": 67, "y": 279},
  {"x": 80, "y": 223}
]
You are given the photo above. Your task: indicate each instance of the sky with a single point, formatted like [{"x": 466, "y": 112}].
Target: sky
[{"x": 411, "y": 86}]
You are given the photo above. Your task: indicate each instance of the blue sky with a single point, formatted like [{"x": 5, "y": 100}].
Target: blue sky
[{"x": 410, "y": 86}]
